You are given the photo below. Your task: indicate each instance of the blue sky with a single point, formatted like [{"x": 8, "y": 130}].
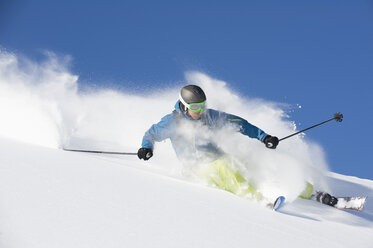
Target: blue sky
[{"x": 318, "y": 54}]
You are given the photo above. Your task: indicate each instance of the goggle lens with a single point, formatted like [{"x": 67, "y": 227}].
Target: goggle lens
[{"x": 197, "y": 107}]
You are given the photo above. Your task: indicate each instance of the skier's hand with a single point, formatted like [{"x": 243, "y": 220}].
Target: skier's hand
[
  {"x": 271, "y": 141},
  {"x": 145, "y": 153}
]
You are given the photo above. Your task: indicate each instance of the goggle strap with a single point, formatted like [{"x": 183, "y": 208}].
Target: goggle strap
[{"x": 183, "y": 102}]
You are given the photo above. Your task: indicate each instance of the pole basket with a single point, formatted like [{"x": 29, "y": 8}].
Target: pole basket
[{"x": 338, "y": 117}]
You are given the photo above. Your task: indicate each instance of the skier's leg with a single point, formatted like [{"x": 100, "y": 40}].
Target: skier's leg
[
  {"x": 226, "y": 178},
  {"x": 307, "y": 192},
  {"x": 323, "y": 197}
]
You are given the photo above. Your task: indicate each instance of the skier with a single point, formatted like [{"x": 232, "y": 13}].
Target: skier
[{"x": 188, "y": 127}]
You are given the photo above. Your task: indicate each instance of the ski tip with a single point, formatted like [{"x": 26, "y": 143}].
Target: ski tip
[
  {"x": 278, "y": 203},
  {"x": 355, "y": 203}
]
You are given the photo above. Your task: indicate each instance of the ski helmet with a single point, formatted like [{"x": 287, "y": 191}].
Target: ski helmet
[{"x": 191, "y": 94}]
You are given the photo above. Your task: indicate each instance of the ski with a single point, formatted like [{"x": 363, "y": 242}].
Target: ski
[
  {"x": 351, "y": 203},
  {"x": 279, "y": 202},
  {"x": 355, "y": 203}
]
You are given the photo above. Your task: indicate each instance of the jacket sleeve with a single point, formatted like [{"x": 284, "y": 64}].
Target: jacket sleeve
[
  {"x": 243, "y": 125},
  {"x": 158, "y": 132}
]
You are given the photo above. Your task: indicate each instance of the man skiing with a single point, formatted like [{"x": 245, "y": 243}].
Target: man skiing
[
  {"x": 191, "y": 127},
  {"x": 191, "y": 109}
]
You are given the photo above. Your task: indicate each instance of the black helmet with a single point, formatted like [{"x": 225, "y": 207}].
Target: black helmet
[{"x": 191, "y": 94}]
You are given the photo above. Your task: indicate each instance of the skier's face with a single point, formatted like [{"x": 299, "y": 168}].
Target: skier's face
[{"x": 194, "y": 115}]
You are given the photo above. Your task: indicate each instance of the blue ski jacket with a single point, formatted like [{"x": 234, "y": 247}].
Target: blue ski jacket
[{"x": 189, "y": 137}]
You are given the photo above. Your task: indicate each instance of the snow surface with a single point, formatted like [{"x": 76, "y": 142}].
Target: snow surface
[{"x": 54, "y": 198}]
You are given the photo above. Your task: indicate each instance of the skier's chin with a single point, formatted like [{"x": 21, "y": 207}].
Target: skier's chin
[{"x": 195, "y": 116}]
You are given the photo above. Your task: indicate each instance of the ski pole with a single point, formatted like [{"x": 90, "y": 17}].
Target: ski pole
[
  {"x": 337, "y": 116},
  {"x": 101, "y": 152}
]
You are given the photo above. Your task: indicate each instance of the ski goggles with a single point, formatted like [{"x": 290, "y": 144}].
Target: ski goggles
[{"x": 194, "y": 107}]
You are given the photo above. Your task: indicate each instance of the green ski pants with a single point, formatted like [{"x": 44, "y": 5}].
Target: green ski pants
[{"x": 220, "y": 174}]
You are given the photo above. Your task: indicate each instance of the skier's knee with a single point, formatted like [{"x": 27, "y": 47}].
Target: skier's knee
[{"x": 307, "y": 192}]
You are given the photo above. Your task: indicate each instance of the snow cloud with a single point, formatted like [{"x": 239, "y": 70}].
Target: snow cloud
[{"x": 40, "y": 103}]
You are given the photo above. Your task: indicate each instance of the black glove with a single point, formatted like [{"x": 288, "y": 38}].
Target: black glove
[
  {"x": 271, "y": 141},
  {"x": 145, "y": 153}
]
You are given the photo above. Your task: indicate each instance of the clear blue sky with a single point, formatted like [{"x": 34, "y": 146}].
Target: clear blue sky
[{"x": 318, "y": 54}]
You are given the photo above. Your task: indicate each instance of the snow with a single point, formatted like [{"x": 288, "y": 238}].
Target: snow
[
  {"x": 54, "y": 198},
  {"x": 355, "y": 204}
]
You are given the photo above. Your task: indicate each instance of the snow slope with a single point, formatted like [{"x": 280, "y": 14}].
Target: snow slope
[{"x": 53, "y": 198}]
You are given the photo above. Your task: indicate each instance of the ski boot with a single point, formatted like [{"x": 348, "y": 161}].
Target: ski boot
[{"x": 326, "y": 198}]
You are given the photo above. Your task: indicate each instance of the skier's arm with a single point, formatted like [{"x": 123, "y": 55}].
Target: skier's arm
[
  {"x": 158, "y": 132},
  {"x": 219, "y": 119},
  {"x": 245, "y": 127},
  {"x": 252, "y": 131}
]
